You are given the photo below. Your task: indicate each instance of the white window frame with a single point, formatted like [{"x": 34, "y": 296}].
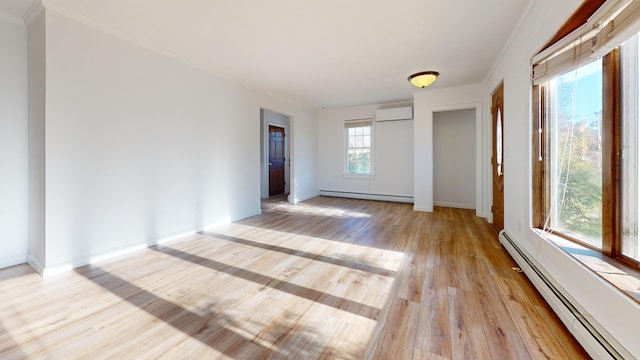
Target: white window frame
[{"x": 352, "y": 123}]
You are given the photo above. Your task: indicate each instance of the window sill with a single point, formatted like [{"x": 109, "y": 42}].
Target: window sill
[{"x": 623, "y": 277}]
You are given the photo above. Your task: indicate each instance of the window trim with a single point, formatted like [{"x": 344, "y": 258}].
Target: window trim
[
  {"x": 611, "y": 155},
  {"x": 611, "y": 162},
  {"x": 345, "y": 165},
  {"x": 627, "y": 21},
  {"x": 579, "y": 18}
]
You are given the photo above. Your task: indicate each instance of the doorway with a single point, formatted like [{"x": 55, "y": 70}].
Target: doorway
[
  {"x": 497, "y": 156},
  {"x": 276, "y": 160},
  {"x": 274, "y": 155},
  {"x": 454, "y": 158}
]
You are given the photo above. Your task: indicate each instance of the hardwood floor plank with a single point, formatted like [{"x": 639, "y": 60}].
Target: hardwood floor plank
[
  {"x": 467, "y": 335},
  {"x": 501, "y": 332},
  {"x": 415, "y": 266},
  {"x": 326, "y": 278},
  {"x": 540, "y": 343},
  {"x": 397, "y": 339},
  {"x": 572, "y": 349},
  {"x": 419, "y": 354},
  {"x": 433, "y": 334}
]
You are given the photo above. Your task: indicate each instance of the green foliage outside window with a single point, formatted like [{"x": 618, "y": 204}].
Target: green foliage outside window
[
  {"x": 578, "y": 153},
  {"x": 359, "y": 150}
]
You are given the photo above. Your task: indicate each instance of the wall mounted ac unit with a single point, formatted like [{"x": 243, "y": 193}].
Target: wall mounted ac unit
[{"x": 394, "y": 114}]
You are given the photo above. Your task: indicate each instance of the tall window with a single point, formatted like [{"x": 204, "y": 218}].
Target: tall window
[
  {"x": 630, "y": 141},
  {"x": 573, "y": 102},
  {"x": 586, "y": 132},
  {"x": 358, "y": 138}
]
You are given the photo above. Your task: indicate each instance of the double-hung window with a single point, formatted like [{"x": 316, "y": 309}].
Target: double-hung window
[
  {"x": 586, "y": 133},
  {"x": 358, "y": 141}
]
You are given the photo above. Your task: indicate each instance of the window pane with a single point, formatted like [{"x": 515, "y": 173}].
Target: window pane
[
  {"x": 630, "y": 140},
  {"x": 358, "y": 152},
  {"x": 366, "y": 161},
  {"x": 575, "y": 115},
  {"x": 352, "y": 162}
]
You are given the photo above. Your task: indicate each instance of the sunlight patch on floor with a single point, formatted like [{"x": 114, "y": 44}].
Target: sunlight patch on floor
[
  {"x": 385, "y": 259},
  {"x": 317, "y": 210}
]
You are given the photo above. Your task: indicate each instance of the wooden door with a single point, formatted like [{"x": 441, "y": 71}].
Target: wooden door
[
  {"x": 276, "y": 160},
  {"x": 497, "y": 157}
]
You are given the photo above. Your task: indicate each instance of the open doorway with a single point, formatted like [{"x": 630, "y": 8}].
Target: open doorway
[
  {"x": 454, "y": 159},
  {"x": 274, "y": 154}
]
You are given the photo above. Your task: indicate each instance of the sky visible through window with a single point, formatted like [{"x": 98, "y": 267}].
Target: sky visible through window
[{"x": 577, "y": 153}]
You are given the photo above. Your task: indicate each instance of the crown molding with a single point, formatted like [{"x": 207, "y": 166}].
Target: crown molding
[
  {"x": 36, "y": 8},
  {"x": 509, "y": 42}
]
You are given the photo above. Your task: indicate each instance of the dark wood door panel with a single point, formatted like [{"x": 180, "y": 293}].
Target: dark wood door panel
[
  {"x": 497, "y": 156},
  {"x": 276, "y": 160}
]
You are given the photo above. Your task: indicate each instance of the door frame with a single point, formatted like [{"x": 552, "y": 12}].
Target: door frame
[
  {"x": 477, "y": 180},
  {"x": 264, "y": 154},
  {"x": 481, "y": 172},
  {"x": 491, "y": 139},
  {"x": 285, "y": 168}
]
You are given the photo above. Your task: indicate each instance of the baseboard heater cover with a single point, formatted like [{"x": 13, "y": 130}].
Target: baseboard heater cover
[
  {"x": 593, "y": 338},
  {"x": 367, "y": 196}
]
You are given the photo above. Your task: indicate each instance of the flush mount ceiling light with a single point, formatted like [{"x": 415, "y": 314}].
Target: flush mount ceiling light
[{"x": 423, "y": 79}]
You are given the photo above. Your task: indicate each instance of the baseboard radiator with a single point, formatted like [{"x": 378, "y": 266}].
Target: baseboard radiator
[
  {"x": 593, "y": 338},
  {"x": 367, "y": 196}
]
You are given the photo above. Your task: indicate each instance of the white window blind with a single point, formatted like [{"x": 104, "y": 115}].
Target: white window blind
[{"x": 612, "y": 24}]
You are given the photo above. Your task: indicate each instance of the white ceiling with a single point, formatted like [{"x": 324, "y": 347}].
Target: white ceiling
[{"x": 323, "y": 53}]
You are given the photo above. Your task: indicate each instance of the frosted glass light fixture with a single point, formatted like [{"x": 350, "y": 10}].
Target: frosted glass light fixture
[{"x": 423, "y": 79}]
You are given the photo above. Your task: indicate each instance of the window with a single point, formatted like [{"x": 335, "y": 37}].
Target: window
[
  {"x": 586, "y": 135},
  {"x": 358, "y": 137},
  {"x": 630, "y": 140},
  {"x": 573, "y": 102}
]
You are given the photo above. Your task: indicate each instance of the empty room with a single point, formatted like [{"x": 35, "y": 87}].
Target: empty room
[{"x": 319, "y": 180}]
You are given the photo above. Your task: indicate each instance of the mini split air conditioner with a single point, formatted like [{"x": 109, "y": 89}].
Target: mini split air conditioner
[{"x": 395, "y": 114}]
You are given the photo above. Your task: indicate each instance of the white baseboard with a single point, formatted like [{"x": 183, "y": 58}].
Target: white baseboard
[
  {"x": 454, "y": 205},
  {"x": 226, "y": 221},
  {"x": 422, "y": 208},
  {"x": 35, "y": 264},
  {"x": 92, "y": 259},
  {"x": 12, "y": 261},
  {"x": 297, "y": 199}
]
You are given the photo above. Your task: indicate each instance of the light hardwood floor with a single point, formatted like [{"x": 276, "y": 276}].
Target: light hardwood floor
[{"x": 327, "y": 278}]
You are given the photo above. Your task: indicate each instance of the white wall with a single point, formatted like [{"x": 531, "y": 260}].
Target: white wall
[
  {"x": 426, "y": 102},
  {"x": 618, "y": 314},
  {"x": 140, "y": 147},
  {"x": 13, "y": 143},
  {"x": 454, "y": 158},
  {"x": 36, "y": 153},
  {"x": 272, "y": 118},
  {"x": 392, "y": 154}
]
